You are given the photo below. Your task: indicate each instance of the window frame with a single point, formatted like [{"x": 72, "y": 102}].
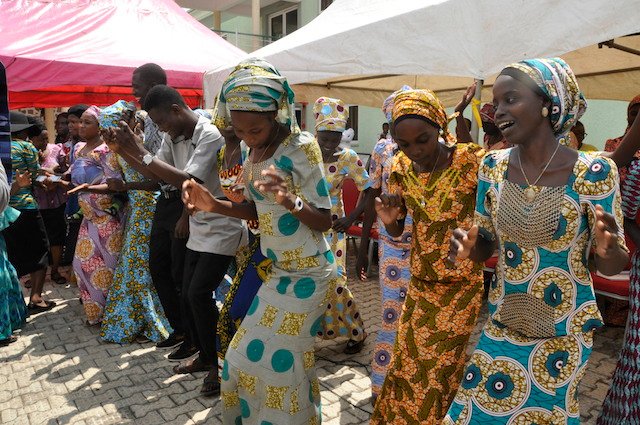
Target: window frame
[{"x": 282, "y": 13}]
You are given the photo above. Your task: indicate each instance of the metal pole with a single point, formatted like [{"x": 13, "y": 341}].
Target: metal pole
[
  {"x": 255, "y": 19},
  {"x": 475, "y": 129}
]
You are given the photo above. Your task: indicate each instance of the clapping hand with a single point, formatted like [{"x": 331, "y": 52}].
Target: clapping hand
[{"x": 462, "y": 242}]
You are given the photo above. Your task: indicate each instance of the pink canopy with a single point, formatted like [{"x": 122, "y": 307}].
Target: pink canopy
[{"x": 94, "y": 46}]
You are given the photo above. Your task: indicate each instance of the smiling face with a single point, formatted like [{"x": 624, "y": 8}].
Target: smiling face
[
  {"x": 140, "y": 87},
  {"x": 168, "y": 120},
  {"x": 418, "y": 139},
  {"x": 518, "y": 109},
  {"x": 328, "y": 141},
  {"x": 255, "y": 128},
  {"x": 89, "y": 127}
]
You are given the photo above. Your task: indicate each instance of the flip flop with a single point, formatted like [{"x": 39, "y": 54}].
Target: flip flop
[
  {"x": 35, "y": 308},
  {"x": 210, "y": 385}
]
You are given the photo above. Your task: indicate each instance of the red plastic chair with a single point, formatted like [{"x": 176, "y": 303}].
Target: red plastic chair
[{"x": 350, "y": 197}]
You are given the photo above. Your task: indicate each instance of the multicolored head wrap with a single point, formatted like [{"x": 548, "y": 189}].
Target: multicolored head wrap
[
  {"x": 488, "y": 113},
  {"x": 330, "y": 114},
  {"x": 557, "y": 82},
  {"x": 426, "y": 104},
  {"x": 94, "y": 111},
  {"x": 111, "y": 116},
  {"x": 256, "y": 86},
  {"x": 387, "y": 105}
]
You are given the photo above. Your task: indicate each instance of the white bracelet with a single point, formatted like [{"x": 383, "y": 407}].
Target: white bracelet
[{"x": 297, "y": 205}]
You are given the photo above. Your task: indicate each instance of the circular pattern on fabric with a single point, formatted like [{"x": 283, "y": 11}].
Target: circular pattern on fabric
[
  {"x": 283, "y": 285},
  {"x": 498, "y": 332},
  {"x": 392, "y": 272},
  {"x": 282, "y": 360},
  {"x": 102, "y": 278},
  {"x": 568, "y": 226},
  {"x": 382, "y": 357},
  {"x": 322, "y": 187},
  {"x": 555, "y": 288},
  {"x": 317, "y": 326},
  {"x": 255, "y": 350},
  {"x": 84, "y": 248},
  {"x": 593, "y": 178},
  {"x": 478, "y": 366},
  {"x": 520, "y": 263},
  {"x": 553, "y": 362},
  {"x": 332, "y": 168},
  {"x": 578, "y": 267},
  {"x": 284, "y": 163},
  {"x": 583, "y": 321},
  {"x": 496, "y": 289},
  {"x": 271, "y": 255},
  {"x": 505, "y": 388},
  {"x": 391, "y": 310},
  {"x": 254, "y": 192},
  {"x": 531, "y": 416},
  {"x": 288, "y": 224},
  {"x": 254, "y": 306},
  {"x": 304, "y": 288},
  {"x": 244, "y": 408}
]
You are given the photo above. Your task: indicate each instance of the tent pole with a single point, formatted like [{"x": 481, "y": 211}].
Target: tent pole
[
  {"x": 50, "y": 123},
  {"x": 475, "y": 129}
]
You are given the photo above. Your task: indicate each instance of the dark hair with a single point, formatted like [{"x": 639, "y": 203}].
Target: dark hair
[
  {"x": 151, "y": 73},
  {"x": 63, "y": 115},
  {"x": 77, "y": 110},
  {"x": 38, "y": 126},
  {"x": 162, "y": 97},
  {"x": 415, "y": 116}
]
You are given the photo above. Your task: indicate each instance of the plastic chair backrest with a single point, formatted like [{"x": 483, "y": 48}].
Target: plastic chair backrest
[{"x": 350, "y": 194}]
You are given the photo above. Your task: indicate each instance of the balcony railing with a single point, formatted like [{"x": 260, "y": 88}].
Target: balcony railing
[{"x": 245, "y": 41}]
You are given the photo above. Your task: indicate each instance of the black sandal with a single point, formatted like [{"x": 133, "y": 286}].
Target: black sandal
[
  {"x": 354, "y": 347},
  {"x": 191, "y": 366},
  {"x": 35, "y": 308},
  {"x": 210, "y": 385},
  {"x": 7, "y": 341}
]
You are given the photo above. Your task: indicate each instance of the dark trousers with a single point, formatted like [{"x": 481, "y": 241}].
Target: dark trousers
[
  {"x": 203, "y": 272},
  {"x": 70, "y": 241},
  {"x": 166, "y": 259}
]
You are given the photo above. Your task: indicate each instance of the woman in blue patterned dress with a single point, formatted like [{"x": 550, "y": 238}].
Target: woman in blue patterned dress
[
  {"x": 543, "y": 205},
  {"x": 133, "y": 308},
  {"x": 269, "y": 373}
]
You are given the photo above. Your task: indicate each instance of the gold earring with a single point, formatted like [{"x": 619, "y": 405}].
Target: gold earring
[{"x": 545, "y": 112}]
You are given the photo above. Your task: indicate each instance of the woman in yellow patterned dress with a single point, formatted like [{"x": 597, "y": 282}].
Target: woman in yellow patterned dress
[
  {"x": 435, "y": 181},
  {"x": 342, "y": 318}
]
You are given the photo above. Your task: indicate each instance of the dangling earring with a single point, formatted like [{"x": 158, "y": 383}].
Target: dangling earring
[{"x": 545, "y": 111}]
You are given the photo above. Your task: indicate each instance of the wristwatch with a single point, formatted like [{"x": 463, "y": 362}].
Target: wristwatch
[
  {"x": 147, "y": 159},
  {"x": 297, "y": 205}
]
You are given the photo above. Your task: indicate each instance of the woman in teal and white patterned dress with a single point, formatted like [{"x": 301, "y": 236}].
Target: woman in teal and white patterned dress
[
  {"x": 543, "y": 205},
  {"x": 269, "y": 371}
]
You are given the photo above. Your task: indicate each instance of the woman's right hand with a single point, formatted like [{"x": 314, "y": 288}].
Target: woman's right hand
[
  {"x": 389, "y": 208},
  {"x": 462, "y": 242},
  {"x": 23, "y": 179},
  {"x": 196, "y": 197}
]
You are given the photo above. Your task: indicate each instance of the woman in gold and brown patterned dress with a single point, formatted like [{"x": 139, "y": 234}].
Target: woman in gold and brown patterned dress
[{"x": 435, "y": 181}]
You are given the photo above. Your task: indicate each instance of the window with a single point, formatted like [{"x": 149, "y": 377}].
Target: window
[
  {"x": 283, "y": 23},
  {"x": 324, "y": 4}
]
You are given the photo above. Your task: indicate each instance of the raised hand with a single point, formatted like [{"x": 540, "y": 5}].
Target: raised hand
[
  {"x": 196, "y": 197},
  {"x": 606, "y": 233},
  {"x": 127, "y": 142},
  {"x": 23, "y": 179},
  {"x": 466, "y": 98},
  {"x": 342, "y": 224},
  {"x": 273, "y": 182},
  {"x": 462, "y": 242},
  {"x": 389, "y": 208}
]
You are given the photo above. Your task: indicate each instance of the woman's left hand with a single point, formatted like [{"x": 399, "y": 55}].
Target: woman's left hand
[
  {"x": 606, "y": 233},
  {"x": 273, "y": 182}
]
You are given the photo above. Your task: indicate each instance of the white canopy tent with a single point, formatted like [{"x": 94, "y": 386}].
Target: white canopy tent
[{"x": 361, "y": 50}]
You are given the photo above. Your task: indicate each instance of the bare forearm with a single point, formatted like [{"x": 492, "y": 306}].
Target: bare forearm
[
  {"x": 137, "y": 164},
  {"x": 148, "y": 185},
  {"x": 462, "y": 131},
  {"x": 629, "y": 145},
  {"x": 245, "y": 210}
]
